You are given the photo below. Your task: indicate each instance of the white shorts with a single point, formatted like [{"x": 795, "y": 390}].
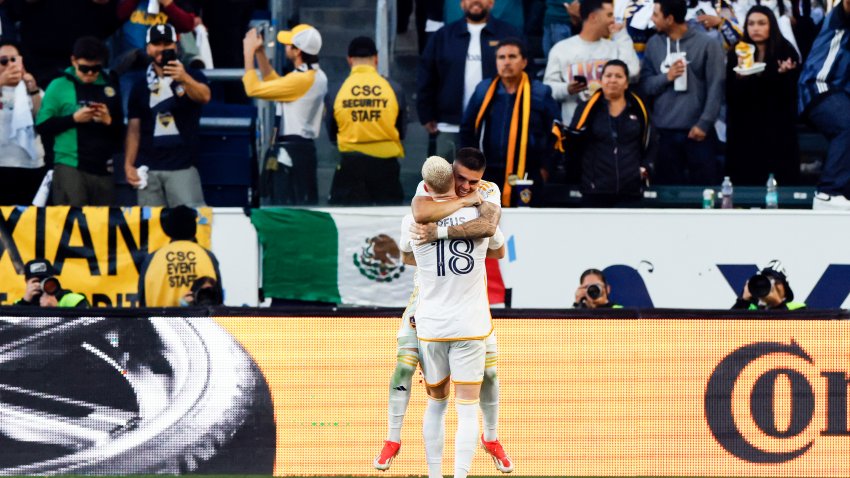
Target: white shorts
[
  {"x": 406, "y": 336},
  {"x": 462, "y": 360}
]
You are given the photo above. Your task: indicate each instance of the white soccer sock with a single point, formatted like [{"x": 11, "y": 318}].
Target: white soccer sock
[
  {"x": 467, "y": 436},
  {"x": 434, "y": 433},
  {"x": 400, "y": 393},
  {"x": 490, "y": 402}
]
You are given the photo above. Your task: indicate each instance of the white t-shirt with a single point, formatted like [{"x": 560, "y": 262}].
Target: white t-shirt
[
  {"x": 13, "y": 155},
  {"x": 453, "y": 303},
  {"x": 473, "y": 71}
]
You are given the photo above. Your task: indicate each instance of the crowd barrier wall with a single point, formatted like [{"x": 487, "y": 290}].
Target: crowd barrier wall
[
  {"x": 600, "y": 393},
  {"x": 653, "y": 258}
]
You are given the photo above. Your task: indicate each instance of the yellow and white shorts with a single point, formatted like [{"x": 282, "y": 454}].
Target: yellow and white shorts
[
  {"x": 406, "y": 336},
  {"x": 462, "y": 360}
]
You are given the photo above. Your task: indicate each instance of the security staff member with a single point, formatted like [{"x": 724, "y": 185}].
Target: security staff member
[
  {"x": 169, "y": 273},
  {"x": 43, "y": 288},
  {"x": 299, "y": 96},
  {"x": 768, "y": 290},
  {"x": 368, "y": 124}
]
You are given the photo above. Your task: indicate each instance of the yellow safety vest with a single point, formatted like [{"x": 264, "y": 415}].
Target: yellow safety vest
[
  {"x": 365, "y": 110},
  {"x": 169, "y": 273}
]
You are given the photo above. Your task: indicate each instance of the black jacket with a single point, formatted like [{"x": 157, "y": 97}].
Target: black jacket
[
  {"x": 611, "y": 151},
  {"x": 441, "y": 68}
]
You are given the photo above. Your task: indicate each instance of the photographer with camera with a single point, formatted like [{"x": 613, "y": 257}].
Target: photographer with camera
[
  {"x": 164, "y": 115},
  {"x": 44, "y": 290},
  {"x": 593, "y": 291},
  {"x": 205, "y": 292},
  {"x": 82, "y": 112},
  {"x": 768, "y": 290}
]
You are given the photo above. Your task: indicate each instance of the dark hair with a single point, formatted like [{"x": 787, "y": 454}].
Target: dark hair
[
  {"x": 308, "y": 58},
  {"x": 586, "y": 7},
  {"x": 471, "y": 158},
  {"x": 515, "y": 42},
  {"x": 594, "y": 272},
  {"x": 776, "y": 46},
  {"x": 179, "y": 223},
  {"x": 10, "y": 43},
  {"x": 362, "y": 47},
  {"x": 90, "y": 48},
  {"x": 616, "y": 62},
  {"x": 677, "y": 8}
]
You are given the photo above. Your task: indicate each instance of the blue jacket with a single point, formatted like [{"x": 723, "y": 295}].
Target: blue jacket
[
  {"x": 496, "y": 125},
  {"x": 441, "y": 68},
  {"x": 827, "y": 70}
]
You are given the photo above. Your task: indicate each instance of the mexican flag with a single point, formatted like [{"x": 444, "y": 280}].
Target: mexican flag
[{"x": 344, "y": 255}]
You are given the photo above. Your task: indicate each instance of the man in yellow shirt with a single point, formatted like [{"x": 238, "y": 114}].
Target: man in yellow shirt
[
  {"x": 368, "y": 124},
  {"x": 299, "y": 96}
]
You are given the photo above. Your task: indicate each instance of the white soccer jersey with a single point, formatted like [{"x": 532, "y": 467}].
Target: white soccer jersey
[
  {"x": 453, "y": 303},
  {"x": 489, "y": 191}
]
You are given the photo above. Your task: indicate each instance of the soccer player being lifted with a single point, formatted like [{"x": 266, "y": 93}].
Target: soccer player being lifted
[{"x": 469, "y": 190}]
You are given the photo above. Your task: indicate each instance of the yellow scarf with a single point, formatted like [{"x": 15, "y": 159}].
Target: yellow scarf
[{"x": 523, "y": 98}]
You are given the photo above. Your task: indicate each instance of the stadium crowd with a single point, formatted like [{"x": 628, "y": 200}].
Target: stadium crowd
[{"x": 701, "y": 90}]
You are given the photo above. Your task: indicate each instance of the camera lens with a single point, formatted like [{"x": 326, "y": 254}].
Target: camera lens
[
  {"x": 594, "y": 291},
  {"x": 50, "y": 285},
  {"x": 759, "y": 286}
]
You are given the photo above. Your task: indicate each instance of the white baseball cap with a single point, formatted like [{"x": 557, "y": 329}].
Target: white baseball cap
[{"x": 304, "y": 37}]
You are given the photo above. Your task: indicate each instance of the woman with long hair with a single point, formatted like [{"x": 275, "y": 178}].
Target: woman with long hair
[{"x": 762, "y": 107}]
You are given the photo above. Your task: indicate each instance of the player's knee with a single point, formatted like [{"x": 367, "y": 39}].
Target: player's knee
[
  {"x": 405, "y": 367},
  {"x": 490, "y": 374}
]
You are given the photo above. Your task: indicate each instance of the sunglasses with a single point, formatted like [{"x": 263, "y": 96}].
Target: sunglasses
[
  {"x": 4, "y": 60},
  {"x": 89, "y": 68}
]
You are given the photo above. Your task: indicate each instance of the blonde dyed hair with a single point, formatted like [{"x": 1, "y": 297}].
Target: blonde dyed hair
[{"x": 437, "y": 173}]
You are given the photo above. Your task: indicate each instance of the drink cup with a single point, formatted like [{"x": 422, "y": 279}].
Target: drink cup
[
  {"x": 523, "y": 192},
  {"x": 680, "y": 83}
]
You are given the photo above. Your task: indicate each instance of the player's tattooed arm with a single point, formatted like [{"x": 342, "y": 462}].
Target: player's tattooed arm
[
  {"x": 426, "y": 210},
  {"x": 484, "y": 226}
]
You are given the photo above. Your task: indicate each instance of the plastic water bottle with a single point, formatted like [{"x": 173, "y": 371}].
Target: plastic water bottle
[
  {"x": 727, "y": 192},
  {"x": 771, "y": 198}
]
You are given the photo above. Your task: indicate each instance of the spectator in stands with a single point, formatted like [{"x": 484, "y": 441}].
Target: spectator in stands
[
  {"x": 170, "y": 273},
  {"x": 768, "y": 290},
  {"x": 574, "y": 68},
  {"x": 684, "y": 112},
  {"x": 719, "y": 19},
  {"x": 825, "y": 102},
  {"x": 635, "y": 15},
  {"x": 367, "y": 122},
  {"x": 44, "y": 290},
  {"x": 560, "y": 19},
  {"x": 510, "y": 11},
  {"x": 516, "y": 121},
  {"x": 300, "y": 99},
  {"x": 456, "y": 59},
  {"x": 82, "y": 114},
  {"x": 49, "y": 29},
  {"x": 612, "y": 138},
  {"x": 593, "y": 291},
  {"x": 21, "y": 153},
  {"x": 761, "y": 110},
  {"x": 164, "y": 114},
  {"x": 138, "y": 16}
]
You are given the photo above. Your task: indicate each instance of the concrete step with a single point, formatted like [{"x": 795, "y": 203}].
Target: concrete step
[
  {"x": 338, "y": 17},
  {"x": 335, "y": 41}
]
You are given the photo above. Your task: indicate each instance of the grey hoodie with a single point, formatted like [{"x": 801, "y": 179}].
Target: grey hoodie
[{"x": 700, "y": 104}]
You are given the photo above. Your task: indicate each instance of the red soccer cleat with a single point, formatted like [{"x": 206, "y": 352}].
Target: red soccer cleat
[
  {"x": 500, "y": 458},
  {"x": 385, "y": 459}
]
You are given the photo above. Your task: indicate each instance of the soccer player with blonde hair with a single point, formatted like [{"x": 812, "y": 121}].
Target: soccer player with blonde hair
[{"x": 433, "y": 197}]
